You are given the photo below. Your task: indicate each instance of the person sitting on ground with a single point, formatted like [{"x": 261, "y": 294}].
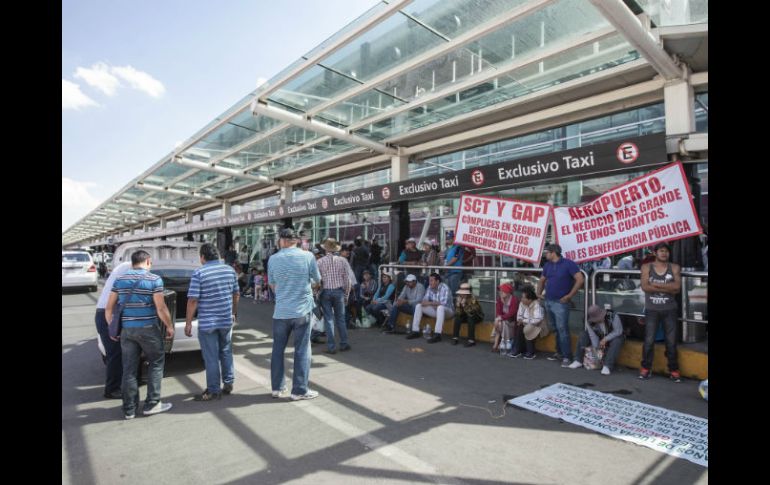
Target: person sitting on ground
[
  {"x": 437, "y": 303},
  {"x": 506, "y": 308},
  {"x": 249, "y": 290},
  {"x": 604, "y": 331},
  {"x": 468, "y": 310},
  {"x": 383, "y": 299},
  {"x": 412, "y": 294},
  {"x": 530, "y": 324}
]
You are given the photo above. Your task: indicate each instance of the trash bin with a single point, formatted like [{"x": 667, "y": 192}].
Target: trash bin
[{"x": 693, "y": 331}]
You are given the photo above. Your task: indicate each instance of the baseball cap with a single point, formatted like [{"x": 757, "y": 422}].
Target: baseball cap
[
  {"x": 411, "y": 277},
  {"x": 411, "y": 239}
]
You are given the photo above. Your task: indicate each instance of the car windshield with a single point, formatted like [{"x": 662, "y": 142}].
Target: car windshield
[
  {"x": 75, "y": 258},
  {"x": 174, "y": 277}
]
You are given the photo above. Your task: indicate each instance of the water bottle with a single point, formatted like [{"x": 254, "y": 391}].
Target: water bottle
[{"x": 426, "y": 331}]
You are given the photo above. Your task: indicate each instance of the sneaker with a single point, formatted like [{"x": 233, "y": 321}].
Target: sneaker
[
  {"x": 282, "y": 393},
  {"x": 644, "y": 373},
  {"x": 470, "y": 343},
  {"x": 565, "y": 363},
  {"x": 435, "y": 338},
  {"x": 129, "y": 416},
  {"x": 675, "y": 376},
  {"x": 454, "y": 341},
  {"x": 515, "y": 356},
  {"x": 412, "y": 335},
  {"x": 575, "y": 365},
  {"x": 529, "y": 356},
  {"x": 227, "y": 388},
  {"x": 308, "y": 395},
  {"x": 388, "y": 330},
  {"x": 556, "y": 356},
  {"x": 160, "y": 407},
  {"x": 208, "y": 396},
  {"x": 605, "y": 371}
]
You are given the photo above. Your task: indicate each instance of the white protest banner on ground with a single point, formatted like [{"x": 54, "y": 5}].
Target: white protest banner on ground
[
  {"x": 678, "y": 434},
  {"x": 503, "y": 226},
  {"x": 649, "y": 209}
]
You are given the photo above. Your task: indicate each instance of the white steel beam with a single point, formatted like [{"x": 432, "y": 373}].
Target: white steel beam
[
  {"x": 629, "y": 25},
  {"x": 286, "y": 153},
  {"x": 210, "y": 167},
  {"x": 330, "y": 49},
  {"x": 157, "y": 188},
  {"x": 438, "y": 51},
  {"x": 259, "y": 108}
]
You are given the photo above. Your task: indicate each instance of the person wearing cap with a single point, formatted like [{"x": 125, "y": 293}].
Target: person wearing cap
[
  {"x": 453, "y": 257},
  {"x": 661, "y": 281},
  {"x": 410, "y": 255},
  {"x": 468, "y": 310},
  {"x": 366, "y": 291},
  {"x": 604, "y": 331},
  {"x": 291, "y": 274},
  {"x": 506, "y": 308},
  {"x": 437, "y": 303},
  {"x": 530, "y": 324},
  {"x": 336, "y": 280},
  {"x": 561, "y": 280},
  {"x": 383, "y": 298},
  {"x": 412, "y": 294}
]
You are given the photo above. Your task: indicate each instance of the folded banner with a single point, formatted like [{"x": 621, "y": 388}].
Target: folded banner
[
  {"x": 511, "y": 227},
  {"x": 649, "y": 209}
]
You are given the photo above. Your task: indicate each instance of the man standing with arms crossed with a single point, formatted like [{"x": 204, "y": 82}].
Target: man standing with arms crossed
[
  {"x": 561, "y": 279},
  {"x": 661, "y": 281},
  {"x": 214, "y": 293},
  {"x": 291, "y": 272}
]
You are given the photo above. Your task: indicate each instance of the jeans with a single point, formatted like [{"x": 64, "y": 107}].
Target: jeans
[
  {"x": 134, "y": 341},
  {"x": 453, "y": 281},
  {"x": 651, "y": 320},
  {"x": 558, "y": 315},
  {"x": 114, "y": 356},
  {"x": 375, "y": 310},
  {"x": 282, "y": 328},
  {"x": 610, "y": 355},
  {"x": 471, "y": 321},
  {"x": 519, "y": 341},
  {"x": 403, "y": 308},
  {"x": 438, "y": 312},
  {"x": 334, "y": 300},
  {"x": 217, "y": 350}
]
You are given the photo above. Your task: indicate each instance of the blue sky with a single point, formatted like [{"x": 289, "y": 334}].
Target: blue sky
[{"x": 140, "y": 76}]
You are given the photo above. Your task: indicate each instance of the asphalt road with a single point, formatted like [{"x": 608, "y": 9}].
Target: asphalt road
[{"x": 390, "y": 411}]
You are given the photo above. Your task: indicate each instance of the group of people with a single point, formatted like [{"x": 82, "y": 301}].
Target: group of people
[{"x": 302, "y": 280}]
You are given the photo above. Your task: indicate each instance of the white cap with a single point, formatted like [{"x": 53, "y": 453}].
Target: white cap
[{"x": 411, "y": 277}]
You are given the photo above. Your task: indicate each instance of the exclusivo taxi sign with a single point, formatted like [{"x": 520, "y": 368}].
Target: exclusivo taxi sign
[
  {"x": 510, "y": 227},
  {"x": 649, "y": 209}
]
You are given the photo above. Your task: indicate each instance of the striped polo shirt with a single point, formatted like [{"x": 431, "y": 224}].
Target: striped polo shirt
[
  {"x": 214, "y": 285},
  {"x": 140, "y": 310},
  {"x": 291, "y": 271}
]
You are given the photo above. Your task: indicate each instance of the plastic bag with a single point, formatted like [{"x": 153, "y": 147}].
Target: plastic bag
[
  {"x": 593, "y": 358},
  {"x": 316, "y": 323}
]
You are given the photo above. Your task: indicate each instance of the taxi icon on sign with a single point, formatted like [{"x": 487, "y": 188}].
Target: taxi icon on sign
[
  {"x": 477, "y": 177},
  {"x": 627, "y": 153}
]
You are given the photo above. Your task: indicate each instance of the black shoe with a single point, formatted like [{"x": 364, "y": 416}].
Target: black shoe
[
  {"x": 208, "y": 396},
  {"x": 435, "y": 338},
  {"x": 113, "y": 395},
  {"x": 470, "y": 343},
  {"x": 388, "y": 330},
  {"x": 345, "y": 347},
  {"x": 227, "y": 388},
  {"x": 330, "y": 352},
  {"x": 412, "y": 335},
  {"x": 454, "y": 341}
]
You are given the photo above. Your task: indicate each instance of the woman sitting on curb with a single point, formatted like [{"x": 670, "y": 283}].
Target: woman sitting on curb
[
  {"x": 530, "y": 324},
  {"x": 604, "y": 329},
  {"x": 506, "y": 308},
  {"x": 467, "y": 310}
]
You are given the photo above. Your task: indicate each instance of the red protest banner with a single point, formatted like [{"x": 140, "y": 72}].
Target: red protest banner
[
  {"x": 503, "y": 226},
  {"x": 649, "y": 209}
]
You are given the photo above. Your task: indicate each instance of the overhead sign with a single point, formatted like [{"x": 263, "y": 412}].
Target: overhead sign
[
  {"x": 678, "y": 434},
  {"x": 649, "y": 209},
  {"x": 510, "y": 227},
  {"x": 621, "y": 155}
]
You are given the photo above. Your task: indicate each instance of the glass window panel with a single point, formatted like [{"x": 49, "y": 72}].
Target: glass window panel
[
  {"x": 701, "y": 112},
  {"x": 313, "y": 87},
  {"x": 676, "y": 12}
]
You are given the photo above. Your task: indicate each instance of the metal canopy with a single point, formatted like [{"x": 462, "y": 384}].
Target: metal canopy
[{"x": 407, "y": 77}]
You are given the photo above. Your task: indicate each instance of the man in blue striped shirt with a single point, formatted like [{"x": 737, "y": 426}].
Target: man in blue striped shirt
[
  {"x": 290, "y": 274},
  {"x": 214, "y": 294},
  {"x": 141, "y": 332}
]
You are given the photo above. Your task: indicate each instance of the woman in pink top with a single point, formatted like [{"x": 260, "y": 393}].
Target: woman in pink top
[{"x": 506, "y": 308}]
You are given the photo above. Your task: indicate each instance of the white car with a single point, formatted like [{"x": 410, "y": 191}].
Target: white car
[
  {"x": 78, "y": 270},
  {"x": 174, "y": 261}
]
